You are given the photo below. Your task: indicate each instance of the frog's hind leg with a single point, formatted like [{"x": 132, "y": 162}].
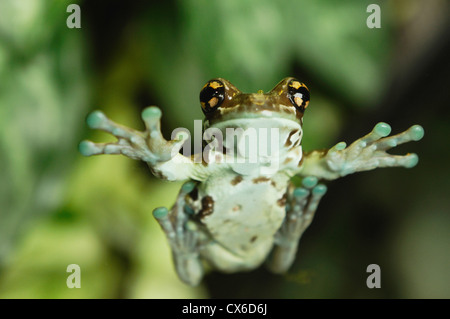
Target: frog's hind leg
[
  {"x": 182, "y": 236},
  {"x": 301, "y": 205}
]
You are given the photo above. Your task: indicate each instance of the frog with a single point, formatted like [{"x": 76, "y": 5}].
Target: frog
[{"x": 232, "y": 214}]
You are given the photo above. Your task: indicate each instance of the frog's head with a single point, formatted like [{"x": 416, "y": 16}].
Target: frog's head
[
  {"x": 282, "y": 108},
  {"x": 222, "y": 101}
]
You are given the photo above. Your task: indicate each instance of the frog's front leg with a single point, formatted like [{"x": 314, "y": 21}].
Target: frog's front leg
[
  {"x": 366, "y": 153},
  {"x": 301, "y": 205},
  {"x": 183, "y": 237},
  {"x": 150, "y": 146}
]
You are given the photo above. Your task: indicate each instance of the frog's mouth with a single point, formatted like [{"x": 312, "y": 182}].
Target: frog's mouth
[
  {"x": 253, "y": 110},
  {"x": 252, "y": 120}
]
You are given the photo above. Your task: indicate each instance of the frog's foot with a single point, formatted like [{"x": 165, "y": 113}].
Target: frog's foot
[
  {"x": 369, "y": 152},
  {"x": 149, "y": 146},
  {"x": 182, "y": 235},
  {"x": 301, "y": 205}
]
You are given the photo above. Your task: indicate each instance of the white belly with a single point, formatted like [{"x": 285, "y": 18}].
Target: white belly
[{"x": 247, "y": 213}]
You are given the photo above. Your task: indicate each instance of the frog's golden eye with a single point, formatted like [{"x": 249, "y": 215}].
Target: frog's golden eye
[
  {"x": 212, "y": 95},
  {"x": 298, "y": 94}
]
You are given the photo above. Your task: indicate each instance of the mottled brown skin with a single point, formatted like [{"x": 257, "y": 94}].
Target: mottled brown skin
[
  {"x": 282, "y": 201},
  {"x": 207, "y": 207},
  {"x": 236, "y": 180}
]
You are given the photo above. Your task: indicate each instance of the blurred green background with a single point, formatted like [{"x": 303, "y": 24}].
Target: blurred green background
[{"x": 59, "y": 208}]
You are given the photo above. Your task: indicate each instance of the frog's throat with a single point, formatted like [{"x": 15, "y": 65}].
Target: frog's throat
[{"x": 278, "y": 135}]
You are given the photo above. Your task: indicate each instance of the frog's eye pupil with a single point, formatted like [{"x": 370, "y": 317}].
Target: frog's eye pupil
[
  {"x": 298, "y": 94},
  {"x": 212, "y": 95}
]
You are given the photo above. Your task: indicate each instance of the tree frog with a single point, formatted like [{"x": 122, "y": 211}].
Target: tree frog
[{"x": 233, "y": 213}]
